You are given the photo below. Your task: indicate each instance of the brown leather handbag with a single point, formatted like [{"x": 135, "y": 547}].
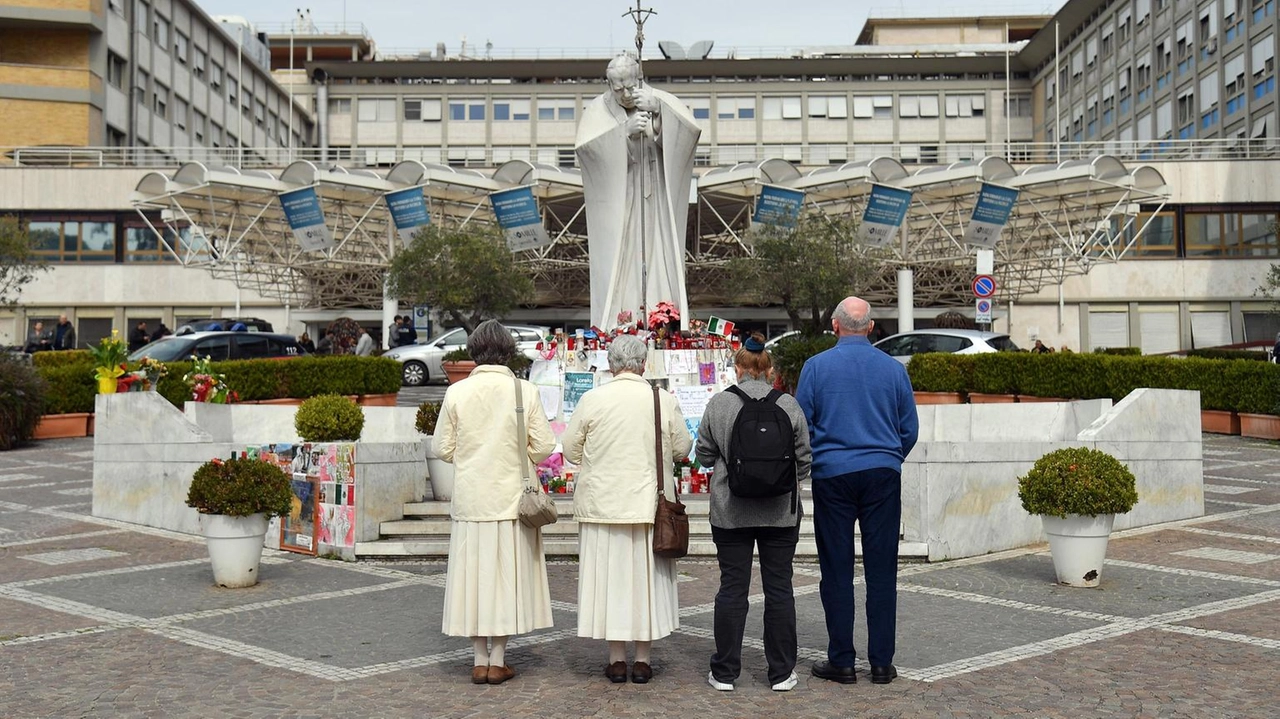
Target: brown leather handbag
[{"x": 670, "y": 522}]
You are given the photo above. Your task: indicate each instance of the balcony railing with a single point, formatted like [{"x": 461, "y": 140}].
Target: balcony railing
[{"x": 1018, "y": 153}]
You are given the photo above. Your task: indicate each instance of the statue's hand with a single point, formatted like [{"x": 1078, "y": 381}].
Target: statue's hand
[
  {"x": 638, "y": 123},
  {"x": 646, "y": 101}
]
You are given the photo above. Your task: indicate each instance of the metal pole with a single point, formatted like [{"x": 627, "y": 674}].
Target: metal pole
[
  {"x": 639, "y": 16},
  {"x": 1008, "y": 125},
  {"x": 288, "y": 141},
  {"x": 1057, "y": 97},
  {"x": 240, "y": 96}
]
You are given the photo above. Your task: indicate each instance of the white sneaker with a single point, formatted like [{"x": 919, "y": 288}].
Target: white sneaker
[
  {"x": 787, "y": 684},
  {"x": 721, "y": 686}
]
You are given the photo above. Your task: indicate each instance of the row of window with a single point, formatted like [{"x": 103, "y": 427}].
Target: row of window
[
  {"x": 1191, "y": 234},
  {"x": 119, "y": 237},
  {"x": 834, "y": 107}
]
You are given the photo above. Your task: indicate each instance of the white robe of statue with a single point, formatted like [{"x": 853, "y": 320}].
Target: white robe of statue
[{"x": 615, "y": 166}]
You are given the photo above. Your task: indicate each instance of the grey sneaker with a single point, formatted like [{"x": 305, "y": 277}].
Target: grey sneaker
[{"x": 718, "y": 685}]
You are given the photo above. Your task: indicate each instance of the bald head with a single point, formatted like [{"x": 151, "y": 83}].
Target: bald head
[{"x": 852, "y": 317}]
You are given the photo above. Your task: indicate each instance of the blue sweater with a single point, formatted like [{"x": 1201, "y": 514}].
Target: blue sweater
[{"x": 860, "y": 409}]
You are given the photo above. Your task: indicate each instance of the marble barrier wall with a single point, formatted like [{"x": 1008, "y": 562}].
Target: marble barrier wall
[
  {"x": 960, "y": 483},
  {"x": 146, "y": 450}
]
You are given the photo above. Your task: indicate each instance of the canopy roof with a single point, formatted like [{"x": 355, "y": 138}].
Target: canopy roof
[{"x": 1069, "y": 216}]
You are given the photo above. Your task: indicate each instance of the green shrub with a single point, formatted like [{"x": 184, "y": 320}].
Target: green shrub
[
  {"x": 428, "y": 415},
  {"x": 1078, "y": 480},
  {"x": 22, "y": 400},
  {"x": 1117, "y": 350},
  {"x": 939, "y": 372},
  {"x": 996, "y": 372},
  {"x": 790, "y": 354},
  {"x": 239, "y": 488},
  {"x": 1255, "y": 355},
  {"x": 71, "y": 388},
  {"x": 61, "y": 358},
  {"x": 329, "y": 418}
]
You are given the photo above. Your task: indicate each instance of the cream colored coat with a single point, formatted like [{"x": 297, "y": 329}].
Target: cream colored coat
[
  {"x": 477, "y": 433},
  {"x": 610, "y": 438}
]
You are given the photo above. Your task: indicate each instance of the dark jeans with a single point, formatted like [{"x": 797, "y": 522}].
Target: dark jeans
[
  {"x": 874, "y": 498},
  {"x": 734, "y": 548}
]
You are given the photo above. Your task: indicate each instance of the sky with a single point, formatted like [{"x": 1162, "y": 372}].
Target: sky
[{"x": 581, "y": 24}]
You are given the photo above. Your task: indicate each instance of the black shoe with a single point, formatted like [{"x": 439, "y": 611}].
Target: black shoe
[
  {"x": 883, "y": 675},
  {"x": 825, "y": 670}
]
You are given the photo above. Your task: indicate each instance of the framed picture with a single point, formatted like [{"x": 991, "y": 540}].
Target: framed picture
[{"x": 298, "y": 528}]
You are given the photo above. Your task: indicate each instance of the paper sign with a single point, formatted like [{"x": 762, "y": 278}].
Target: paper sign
[
  {"x": 693, "y": 399},
  {"x": 576, "y": 384},
  {"x": 680, "y": 361},
  {"x": 706, "y": 373}
]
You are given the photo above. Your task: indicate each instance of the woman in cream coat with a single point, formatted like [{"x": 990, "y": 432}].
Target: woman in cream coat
[
  {"x": 496, "y": 583},
  {"x": 625, "y": 593}
]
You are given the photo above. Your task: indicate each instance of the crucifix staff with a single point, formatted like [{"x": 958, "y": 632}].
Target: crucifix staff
[{"x": 640, "y": 16}]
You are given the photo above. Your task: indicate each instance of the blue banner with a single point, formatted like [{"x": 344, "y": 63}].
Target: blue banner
[
  {"x": 408, "y": 211},
  {"x": 995, "y": 204},
  {"x": 778, "y": 206},
  {"x": 306, "y": 218},
  {"x": 886, "y": 209},
  {"x": 518, "y": 216}
]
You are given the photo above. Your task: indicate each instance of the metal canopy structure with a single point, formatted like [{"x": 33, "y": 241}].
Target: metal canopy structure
[{"x": 1069, "y": 217}]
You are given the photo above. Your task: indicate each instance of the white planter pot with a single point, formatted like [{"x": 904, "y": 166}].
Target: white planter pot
[
  {"x": 1079, "y": 547},
  {"x": 440, "y": 473},
  {"x": 235, "y": 547}
]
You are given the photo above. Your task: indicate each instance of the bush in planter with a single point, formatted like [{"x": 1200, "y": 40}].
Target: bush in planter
[
  {"x": 329, "y": 418},
  {"x": 22, "y": 401},
  {"x": 240, "y": 488},
  {"x": 428, "y": 415},
  {"x": 790, "y": 354},
  {"x": 940, "y": 372},
  {"x": 1078, "y": 480}
]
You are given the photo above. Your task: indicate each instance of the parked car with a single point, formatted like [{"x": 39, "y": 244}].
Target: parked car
[
  {"x": 220, "y": 346},
  {"x": 903, "y": 345},
  {"x": 421, "y": 362},
  {"x": 251, "y": 324},
  {"x": 792, "y": 333}
]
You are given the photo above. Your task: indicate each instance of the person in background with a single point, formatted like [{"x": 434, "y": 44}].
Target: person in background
[
  {"x": 304, "y": 341},
  {"x": 364, "y": 346},
  {"x": 405, "y": 333},
  {"x": 496, "y": 581},
  {"x": 139, "y": 338},
  {"x": 740, "y": 525},
  {"x": 393, "y": 332},
  {"x": 625, "y": 593},
  {"x": 38, "y": 339},
  {"x": 862, "y": 425},
  {"x": 161, "y": 331},
  {"x": 64, "y": 335},
  {"x": 325, "y": 346},
  {"x": 1275, "y": 351},
  {"x": 1041, "y": 349}
]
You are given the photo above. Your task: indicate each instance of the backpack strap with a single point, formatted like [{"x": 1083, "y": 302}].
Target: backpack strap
[{"x": 741, "y": 395}]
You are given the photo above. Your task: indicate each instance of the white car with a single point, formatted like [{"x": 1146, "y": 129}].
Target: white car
[
  {"x": 421, "y": 362},
  {"x": 902, "y": 346}
]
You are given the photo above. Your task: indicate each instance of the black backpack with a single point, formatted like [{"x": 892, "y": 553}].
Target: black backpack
[{"x": 762, "y": 458}]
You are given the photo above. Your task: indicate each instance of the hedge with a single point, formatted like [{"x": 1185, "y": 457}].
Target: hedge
[
  {"x": 72, "y": 387},
  {"x": 60, "y": 358},
  {"x": 1235, "y": 385}
]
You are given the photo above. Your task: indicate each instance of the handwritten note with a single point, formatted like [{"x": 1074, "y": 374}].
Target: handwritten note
[
  {"x": 681, "y": 361},
  {"x": 693, "y": 399}
]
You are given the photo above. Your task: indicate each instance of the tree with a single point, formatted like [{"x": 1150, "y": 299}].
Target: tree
[
  {"x": 807, "y": 269},
  {"x": 18, "y": 261},
  {"x": 465, "y": 272}
]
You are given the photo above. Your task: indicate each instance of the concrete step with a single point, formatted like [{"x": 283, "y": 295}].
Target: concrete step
[
  {"x": 438, "y": 548},
  {"x": 410, "y": 527}
]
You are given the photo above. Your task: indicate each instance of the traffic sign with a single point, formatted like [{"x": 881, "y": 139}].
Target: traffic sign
[
  {"x": 984, "y": 286},
  {"x": 982, "y": 311}
]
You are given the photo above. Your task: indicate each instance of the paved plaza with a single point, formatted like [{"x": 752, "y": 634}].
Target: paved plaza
[{"x": 103, "y": 619}]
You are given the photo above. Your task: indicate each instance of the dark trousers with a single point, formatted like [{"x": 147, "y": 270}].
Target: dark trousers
[
  {"x": 734, "y": 549},
  {"x": 874, "y": 498}
]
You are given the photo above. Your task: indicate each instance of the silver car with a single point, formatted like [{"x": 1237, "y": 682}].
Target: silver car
[
  {"x": 902, "y": 346},
  {"x": 421, "y": 362}
]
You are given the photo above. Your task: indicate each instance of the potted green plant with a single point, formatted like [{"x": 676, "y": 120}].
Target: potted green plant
[
  {"x": 235, "y": 498},
  {"x": 109, "y": 357},
  {"x": 329, "y": 418},
  {"x": 1078, "y": 491},
  {"x": 439, "y": 472}
]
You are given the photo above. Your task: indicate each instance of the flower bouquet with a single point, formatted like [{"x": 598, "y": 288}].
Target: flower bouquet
[
  {"x": 147, "y": 377},
  {"x": 663, "y": 316},
  {"x": 207, "y": 385},
  {"x": 109, "y": 356}
]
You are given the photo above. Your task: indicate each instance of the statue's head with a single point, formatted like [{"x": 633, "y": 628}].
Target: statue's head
[{"x": 624, "y": 80}]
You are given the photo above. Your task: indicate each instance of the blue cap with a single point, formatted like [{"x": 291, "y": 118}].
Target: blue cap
[{"x": 753, "y": 345}]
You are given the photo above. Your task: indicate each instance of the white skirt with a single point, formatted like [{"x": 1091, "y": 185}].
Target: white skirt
[
  {"x": 625, "y": 593},
  {"x": 496, "y": 584}
]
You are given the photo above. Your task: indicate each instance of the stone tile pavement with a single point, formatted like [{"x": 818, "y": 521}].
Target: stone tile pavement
[{"x": 102, "y": 619}]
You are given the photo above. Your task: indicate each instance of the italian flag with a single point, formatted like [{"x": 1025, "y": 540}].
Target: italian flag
[{"x": 718, "y": 326}]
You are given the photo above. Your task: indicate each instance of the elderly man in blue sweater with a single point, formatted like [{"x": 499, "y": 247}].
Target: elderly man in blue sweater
[{"x": 862, "y": 424}]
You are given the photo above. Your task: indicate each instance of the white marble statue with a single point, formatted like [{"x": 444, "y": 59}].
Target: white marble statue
[{"x": 635, "y": 146}]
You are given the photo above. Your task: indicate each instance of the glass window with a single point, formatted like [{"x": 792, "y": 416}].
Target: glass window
[
  {"x": 180, "y": 108},
  {"x": 380, "y": 110},
  {"x": 198, "y": 60},
  {"x": 215, "y": 348},
  {"x": 61, "y": 240},
  {"x": 458, "y": 111},
  {"x": 162, "y": 31},
  {"x": 215, "y": 76},
  {"x": 116, "y": 69},
  {"x": 252, "y": 347},
  {"x": 180, "y": 44},
  {"x": 340, "y": 106},
  {"x": 501, "y": 110}
]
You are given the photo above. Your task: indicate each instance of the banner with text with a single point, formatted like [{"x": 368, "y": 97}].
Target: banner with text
[
  {"x": 408, "y": 211},
  {"x": 778, "y": 206},
  {"x": 886, "y": 209},
  {"x": 518, "y": 216},
  {"x": 995, "y": 203},
  {"x": 306, "y": 219}
]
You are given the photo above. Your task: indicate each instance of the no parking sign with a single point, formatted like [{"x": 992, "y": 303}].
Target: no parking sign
[{"x": 982, "y": 310}]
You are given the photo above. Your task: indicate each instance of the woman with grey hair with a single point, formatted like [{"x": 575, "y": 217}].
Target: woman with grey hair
[
  {"x": 625, "y": 593},
  {"x": 496, "y": 584}
]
